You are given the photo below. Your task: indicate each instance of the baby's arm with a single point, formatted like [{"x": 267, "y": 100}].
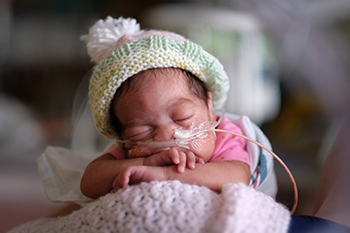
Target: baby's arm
[
  {"x": 99, "y": 175},
  {"x": 212, "y": 175}
]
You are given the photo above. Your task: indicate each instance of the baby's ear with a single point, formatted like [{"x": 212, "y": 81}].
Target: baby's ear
[
  {"x": 210, "y": 95},
  {"x": 210, "y": 106}
]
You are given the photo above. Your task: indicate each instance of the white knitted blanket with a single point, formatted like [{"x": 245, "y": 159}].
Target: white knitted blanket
[{"x": 172, "y": 207}]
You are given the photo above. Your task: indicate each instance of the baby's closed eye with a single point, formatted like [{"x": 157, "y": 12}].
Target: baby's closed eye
[
  {"x": 140, "y": 133},
  {"x": 183, "y": 119}
]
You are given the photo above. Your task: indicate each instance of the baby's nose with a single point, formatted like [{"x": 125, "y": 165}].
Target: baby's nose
[{"x": 164, "y": 133}]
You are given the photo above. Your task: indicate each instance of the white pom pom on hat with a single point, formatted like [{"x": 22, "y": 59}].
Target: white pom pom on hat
[{"x": 104, "y": 35}]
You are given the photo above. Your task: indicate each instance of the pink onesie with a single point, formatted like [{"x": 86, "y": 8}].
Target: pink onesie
[{"x": 227, "y": 146}]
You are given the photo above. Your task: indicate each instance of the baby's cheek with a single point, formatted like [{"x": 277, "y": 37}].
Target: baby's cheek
[{"x": 204, "y": 148}]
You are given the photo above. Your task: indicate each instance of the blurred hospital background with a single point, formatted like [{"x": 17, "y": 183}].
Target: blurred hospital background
[{"x": 288, "y": 63}]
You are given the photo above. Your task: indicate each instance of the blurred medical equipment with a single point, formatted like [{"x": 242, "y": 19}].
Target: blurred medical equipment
[
  {"x": 310, "y": 46},
  {"x": 20, "y": 132}
]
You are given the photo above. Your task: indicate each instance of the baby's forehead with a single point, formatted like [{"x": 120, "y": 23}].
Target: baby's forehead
[
  {"x": 174, "y": 73},
  {"x": 166, "y": 76}
]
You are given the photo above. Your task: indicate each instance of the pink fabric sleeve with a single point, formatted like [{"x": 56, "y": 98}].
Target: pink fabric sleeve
[
  {"x": 117, "y": 152},
  {"x": 228, "y": 146}
]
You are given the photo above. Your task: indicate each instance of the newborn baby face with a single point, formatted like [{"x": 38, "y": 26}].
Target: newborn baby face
[{"x": 159, "y": 104}]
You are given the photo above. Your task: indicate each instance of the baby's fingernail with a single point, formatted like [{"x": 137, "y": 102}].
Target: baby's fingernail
[{"x": 182, "y": 169}]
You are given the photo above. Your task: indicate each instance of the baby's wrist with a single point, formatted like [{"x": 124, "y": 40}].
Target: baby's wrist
[
  {"x": 171, "y": 172},
  {"x": 147, "y": 161}
]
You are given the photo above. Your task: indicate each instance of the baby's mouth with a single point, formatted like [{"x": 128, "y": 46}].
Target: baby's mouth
[{"x": 136, "y": 151}]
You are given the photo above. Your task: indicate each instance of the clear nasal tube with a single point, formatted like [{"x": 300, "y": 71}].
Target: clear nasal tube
[
  {"x": 186, "y": 138},
  {"x": 192, "y": 138}
]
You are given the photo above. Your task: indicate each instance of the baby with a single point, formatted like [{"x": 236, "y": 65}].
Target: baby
[{"x": 149, "y": 90}]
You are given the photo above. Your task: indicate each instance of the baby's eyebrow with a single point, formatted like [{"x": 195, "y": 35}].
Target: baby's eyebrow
[
  {"x": 135, "y": 121},
  {"x": 132, "y": 122},
  {"x": 180, "y": 101}
]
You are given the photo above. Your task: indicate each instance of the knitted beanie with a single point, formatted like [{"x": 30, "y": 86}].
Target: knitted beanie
[{"x": 120, "y": 50}]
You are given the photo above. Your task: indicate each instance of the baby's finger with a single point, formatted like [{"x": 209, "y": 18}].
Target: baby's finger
[
  {"x": 174, "y": 155},
  {"x": 114, "y": 190},
  {"x": 191, "y": 160},
  {"x": 182, "y": 164},
  {"x": 123, "y": 178},
  {"x": 118, "y": 183},
  {"x": 199, "y": 160}
]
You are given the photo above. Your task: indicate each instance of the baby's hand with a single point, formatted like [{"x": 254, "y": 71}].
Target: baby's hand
[
  {"x": 183, "y": 158},
  {"x": 137, "y": 174},
  {"x": 174, "y": 156}
]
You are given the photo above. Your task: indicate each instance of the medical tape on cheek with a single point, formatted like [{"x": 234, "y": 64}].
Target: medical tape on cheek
[{"x": 195, "y": 137}]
